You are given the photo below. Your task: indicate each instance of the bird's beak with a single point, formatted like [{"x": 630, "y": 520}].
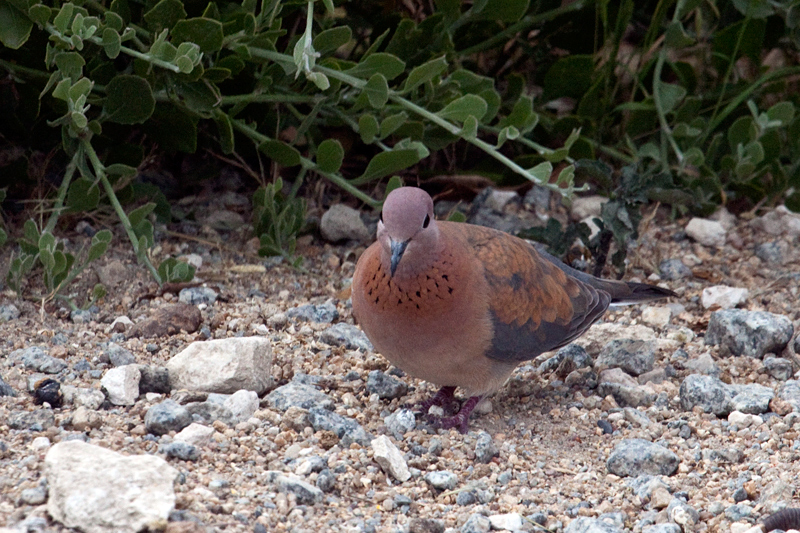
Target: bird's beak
[{"x": 398, "y": 249}]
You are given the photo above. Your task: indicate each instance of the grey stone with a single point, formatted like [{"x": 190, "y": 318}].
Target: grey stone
[
  {"x": 197, "y": 296},
  {"x": 753, "y": 333},
  {"x": 708, "y": 392},
  {"x": 425, "y": 525},
  {"x": 771, "y": 252},
  {"x": 633, "y": 356},
  {"x": 341, "y": 222},
  {"x": 672, "y": 269},
  {"x": 584, "y": 524},
  {"x": 538, "y": 197},
  {"x": 706, "y": 232},
  {"x": 119, "y": 356},
  {"x": 6, "y": 389},
  {"x": 38, "y": 420},
  {"x": 153, "y": 379},
  {"x": 326, "y": 480},
  {"x": 476, "y": 523},
  {"x": 121, "y": 384},
  {"x": 385, "y": 386},
  {"x": 485, "y": 450},
  {"x": 223, "y": 365},
  {"x": 401, "y": 421},
  {"x": 80, "y": 316},
  {"x": 242, "y": 404},
  {"x": 644, "y": 485},
  {"x": 166, "y": 416},
  {"x": 779, "y": 368},
  {"x": 738, "y": 512},
  {"x": 790, "y": 393},
  {"x": 442, "y": 480},
  {"x": 347, "y": 429},
  {"x": 209, "y": 412},
  {"x": 97, "y": 490},
  {"x": 35, "y": 358},
  {"x": 751, "y": 398},
  {"x": 704, "y": 364},
  {"x": 635, "y": 457},
  {"x": 306, "y": 493},
  {"x": 180, "y": 450},
  {"x": 8, "y": 312},
  {"x": 34, "y": 496},
  {"x": 575, "y": 352},
  {"x": 314, "y": 313},
  {"x": 346, "y": 335},
  {"x": 662, "y": 528},
  {"x": 295, "y": 394},
  {"x": 466, "y": 498},
  {"x": 682, "y": 513}
]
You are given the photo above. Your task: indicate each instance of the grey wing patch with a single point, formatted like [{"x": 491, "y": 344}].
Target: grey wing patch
[{"x": 523, "y": 343}]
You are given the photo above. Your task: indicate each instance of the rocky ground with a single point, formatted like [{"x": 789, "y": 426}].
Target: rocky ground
[{"x": 683, "y": 415}]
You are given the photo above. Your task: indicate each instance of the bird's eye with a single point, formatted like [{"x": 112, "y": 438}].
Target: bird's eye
[{"x": 426, "y": 222}]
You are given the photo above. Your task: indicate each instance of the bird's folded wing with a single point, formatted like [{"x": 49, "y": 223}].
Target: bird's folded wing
[{"x": 535, "y": 306}]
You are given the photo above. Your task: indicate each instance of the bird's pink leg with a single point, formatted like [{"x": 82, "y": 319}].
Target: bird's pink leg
[
  {"x": 444, "y": 399},
  {"x": 460, "y": 420}
]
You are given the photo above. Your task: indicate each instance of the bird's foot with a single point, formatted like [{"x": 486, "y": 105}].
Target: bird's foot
[
  {"x": 445, "y": 399},
  {"x": 461, "y": 419}
]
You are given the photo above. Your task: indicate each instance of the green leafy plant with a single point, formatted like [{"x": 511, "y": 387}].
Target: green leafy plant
[{"x": 278, "y": 218}]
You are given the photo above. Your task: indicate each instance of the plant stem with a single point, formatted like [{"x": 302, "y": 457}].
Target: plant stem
[
  {"x": 336, "y": 179},
  {"x": 662, "y": 115},
  {"x": 62, "y": 192},
  {"x": 267, "y": 99},
  {"x": 100, "y": 173},
  {"x": 13, "y": 68},
  {"x": 523, "y": 24}
]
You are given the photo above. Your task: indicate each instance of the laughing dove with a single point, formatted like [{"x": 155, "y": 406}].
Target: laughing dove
[{"x": 461, "y": 305}]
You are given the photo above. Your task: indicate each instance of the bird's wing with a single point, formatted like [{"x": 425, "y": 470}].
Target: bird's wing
[{"x": 535, "y": 306}]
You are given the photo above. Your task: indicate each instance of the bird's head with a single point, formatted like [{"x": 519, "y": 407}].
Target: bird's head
[{"x": 407, "y": 232}]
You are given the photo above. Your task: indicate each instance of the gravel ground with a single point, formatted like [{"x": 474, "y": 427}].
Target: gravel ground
[{"x": 693, "y": 423}]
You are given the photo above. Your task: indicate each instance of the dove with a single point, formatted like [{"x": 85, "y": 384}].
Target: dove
[{"x": 460, "y": 306}]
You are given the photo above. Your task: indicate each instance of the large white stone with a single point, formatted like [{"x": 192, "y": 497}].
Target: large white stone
[
  {"x": 389, "y": 457},
  {"x": 706, "y": 232},
  {"x": 342, "y": 222},
  {"x": 723, "y": 296},
  {"x": 223, "y": 365},
  {"x": 122, "y": 384},
  {"x": 587, "y": 206},
  {"x": 242, "y": 403},
  {"x": 97, "y": 490},
  {"x": 195, "y": 434}
]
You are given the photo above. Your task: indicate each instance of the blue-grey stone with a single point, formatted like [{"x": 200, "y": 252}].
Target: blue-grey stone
[
  {"x": 197, "y": 296},
  {"x": 753, "y": 333},
  {"x": 485, "y": 450},
  {"x": 180, "y": 450},
  {"x": 166, "y": 416},
  {"x": 633, "y": 356},
  {"x": 326, "y": 312},
  {"x": 673, "y": 269},
  {"x": 635, "y": 457},
  {"x": 385, "y": 386},
  {"x": 347, "y": 429},
  {"x": 298, "y": 395},
  {"x": 708, "y": 392},
  {"x": 574, "y": 352},
  {"x": 442, "y": 480},
  {"x": 346, "y": 335},
  {"x": 119, "y": 356},
  {"x": 37, "y": 359},
  {"x": 584, "y": 524}
]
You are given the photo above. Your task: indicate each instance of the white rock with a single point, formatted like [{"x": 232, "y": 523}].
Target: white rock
[
  {"x": 498, "y": 200},
  {"x": 779, "y": 221},
  {"x": 594, "y": 229},
  {"x": 124, "y": 320},
  {"x": 40, "y": 443},
  {"x": 97, "y": 490},
  {"x": 706, "y": 232},
  {"x": 599, "y": 334},
  {"x": 223, "y": 365},
  {"x": 587, "y": 206},
  {"x": 195, "y": 434},
  {"x": 506, "y": 522},
  {"x": 122, "y": 384},
  {"x": 744, "y": 420},
  {"x": 390, "y": 459},
  {"x": 341, "y": 222},
  {"x": 242, "y": 403},
  {"x": 743, "y": 527},
  {"x": 724, "y": 217},
  {"x": 656, "y": 316},
  {"x": 723, "y": 296},
  {"x": 484, "y": 407}
]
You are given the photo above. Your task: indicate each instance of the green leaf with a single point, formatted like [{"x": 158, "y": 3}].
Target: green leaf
[
  {"x": 676, "y": 36},
  {"x": 541, "y": 172},
  {"x": 225, "y": 128},
  {"x": 120, "y": 169},
  {"x": 112, "y": 44},
  {"x": 40, "y": 14},
  {"x": 114, "y": 21},
  {"x": 330, "y": 155},
  {"x": 70, "y": 64},
  {"x": 331, "y": 39},
  {"x": 395, "y": 182},
  {"x": 457, "y": 216},
  {"x": 424, "y": 73},
  {"x": 59, "y": 263},
  {"x": 173, "y": 128},
  {"x": 82, "y": 87},
  {"x": 386, "y": 163},
  {"x": 782, "y": 111},
  {"x": 470, "y": 128},
  {"x": 47, "y": 242},
  {"x": 99, "y": 245},
  {"x": 98, "y": 292},
  {"x": 129, "y": 100},
  {"x": 522, "y": 116},
  {"x": 671, "y": 95},
  {"x": 280, "y": 152},
  {"x": 569, "y": 76},
  {"x": 409, "y": 144},
  {"x": 206, "y": 33},
  {"x": 694, "y": 156},
  {"x": 319, "y": 79},
  {"x": 64, "y": 17},
  {"x": 391, "y": 123},
  {"x": 507, "y": 133},
  {"x": 83, "y": 195},
  {"x": 140, "y": 213},
  {"x": 165, "y": 14},
  {"x": 757, "y": 9},
  {"x": 377, "y": 91},
  {"x": 3, "y": 237},
  {"x": 328, "y": 6},
  {"x": 368, "y": 127},
  {"x": 504, "y": 10},
  {"x": 461, "y": 108},
  {"x": 378, "y": 63}
]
